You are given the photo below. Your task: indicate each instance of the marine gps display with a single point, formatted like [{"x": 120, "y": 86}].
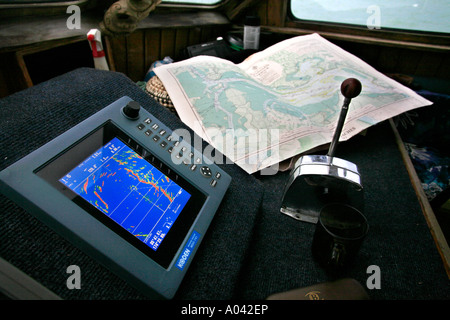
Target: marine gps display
[
  {"x": 110, "y": 185},
  {"x": 130, "y": 191}
]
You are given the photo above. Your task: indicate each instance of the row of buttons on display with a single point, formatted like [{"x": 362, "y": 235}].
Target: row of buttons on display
[{"x": 157, "y": 134}]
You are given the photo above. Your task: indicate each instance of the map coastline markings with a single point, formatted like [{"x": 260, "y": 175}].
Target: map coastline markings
[{"x": 303, "y": 74}]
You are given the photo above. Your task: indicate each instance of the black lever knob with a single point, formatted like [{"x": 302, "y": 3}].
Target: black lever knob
[
  {"x": 131, "y": 110},
  {"x": 351, "y": 88}
]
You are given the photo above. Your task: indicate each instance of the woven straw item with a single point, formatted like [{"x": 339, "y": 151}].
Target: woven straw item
[{"x": 157, "y": 91}]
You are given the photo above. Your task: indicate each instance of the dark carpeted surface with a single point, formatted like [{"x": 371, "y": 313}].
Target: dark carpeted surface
[
  {"x": 251, "y": 250},
  {"x": 33, "y": 117},
  {"x": 399, "y": 241}
]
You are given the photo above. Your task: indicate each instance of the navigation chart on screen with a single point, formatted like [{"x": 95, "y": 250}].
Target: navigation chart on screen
[{"x": 128, "y": 189}]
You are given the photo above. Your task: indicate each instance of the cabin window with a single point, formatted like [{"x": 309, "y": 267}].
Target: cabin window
[
  {"x": 411, "y": 15},
  {"x": 29, "y": 1},
  {"x": 202, "y": 2}
]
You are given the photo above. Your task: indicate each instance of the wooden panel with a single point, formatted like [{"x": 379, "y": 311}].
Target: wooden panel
[
  {"x": 168, "y": 42},
  {"x": 276, "y": 16},
  {"x": 37, "y": 31},
  {"x": 152, "y": 46},
  {"x": 195, "y": 35},
  {"x": 262, "y": 13},
  {"x": 109, "y": 54},
  {"x": 429, "y": 64},
  {"x": 183, "y": 19},
  {"x": 11, "y": 77},
  {"x": 234, "y": 9},
  {"x": 119, "y": 50},
  {"x": 4, "y": 83},
  {"x": 136, "y": 55},
  {"x": 181, "y": 41},
  {"x": 407, "y": 61},
  {"x": 388, "y": 59},
  {"x": 207, "y": 34},
  {"x": 160, "y": 35},
  {"x": 444, "y": 69}
]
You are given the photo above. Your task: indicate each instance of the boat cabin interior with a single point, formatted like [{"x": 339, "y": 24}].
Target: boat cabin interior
[{"x": 231, "y": 231}]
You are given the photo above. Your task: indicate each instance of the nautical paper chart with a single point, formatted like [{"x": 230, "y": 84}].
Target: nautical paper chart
[{"x": 282, "y": 101}]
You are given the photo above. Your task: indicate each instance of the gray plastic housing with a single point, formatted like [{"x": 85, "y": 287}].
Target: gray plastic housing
[{"x": 20, "y": 183}]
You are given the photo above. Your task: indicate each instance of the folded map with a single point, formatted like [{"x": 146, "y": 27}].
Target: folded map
[{"x": 281, "y": 102}]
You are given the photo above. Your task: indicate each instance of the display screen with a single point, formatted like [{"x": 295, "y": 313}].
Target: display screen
[{"x": 129, "y": 190}]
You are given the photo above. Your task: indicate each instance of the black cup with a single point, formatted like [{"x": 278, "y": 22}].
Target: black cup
[{"x": 339, "y": 234}]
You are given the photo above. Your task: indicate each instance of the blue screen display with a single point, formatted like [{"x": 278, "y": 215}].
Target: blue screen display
[{"x": 129, "y": 190}]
